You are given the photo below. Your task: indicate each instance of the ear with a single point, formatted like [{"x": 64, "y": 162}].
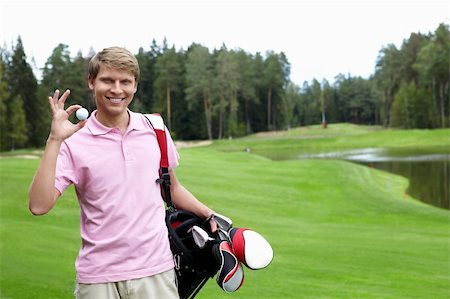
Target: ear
[
  {"x": 91, "y": 83},
  {"x": 135, "y": 87}
]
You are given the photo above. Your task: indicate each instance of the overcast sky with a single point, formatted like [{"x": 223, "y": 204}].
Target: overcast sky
[{"x": 320, "y": 38}]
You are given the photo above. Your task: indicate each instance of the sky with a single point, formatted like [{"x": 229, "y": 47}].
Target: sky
[{"x": 320, "y": 39}]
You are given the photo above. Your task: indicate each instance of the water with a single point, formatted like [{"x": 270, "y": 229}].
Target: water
[{"x": 428, "y": 170}]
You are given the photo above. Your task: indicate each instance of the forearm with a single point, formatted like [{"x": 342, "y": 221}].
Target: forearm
[
  {"x": 42, "y": 190},
  {"x": 185, "y": 200},
  {"x": 42, "y": 193}
]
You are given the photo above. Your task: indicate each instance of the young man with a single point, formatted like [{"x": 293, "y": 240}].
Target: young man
[{"x": 112, "y": 158}]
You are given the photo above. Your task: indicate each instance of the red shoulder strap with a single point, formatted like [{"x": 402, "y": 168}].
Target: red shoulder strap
[{"x": 157, "y": 122}]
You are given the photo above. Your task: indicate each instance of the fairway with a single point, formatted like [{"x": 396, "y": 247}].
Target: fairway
[{"x": 338, "y": 230}]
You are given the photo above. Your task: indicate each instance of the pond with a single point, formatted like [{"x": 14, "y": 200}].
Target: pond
[{"x": 428, "y": 170}]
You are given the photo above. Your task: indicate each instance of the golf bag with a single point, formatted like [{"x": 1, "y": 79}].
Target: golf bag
[
  {"x": 193, "y": 265},
  {"x": 198, "y": 253}
]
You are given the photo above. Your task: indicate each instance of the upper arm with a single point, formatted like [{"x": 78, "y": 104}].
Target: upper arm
[
  {"x": 37, "y": 209},
  {"x": 174, "y": 183},
  {"x": 56, "y": 195}
]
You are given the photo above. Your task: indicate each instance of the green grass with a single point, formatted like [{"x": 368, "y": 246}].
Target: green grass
[
  {"x": 37, "y": 253},
  {"x": 338, "y": 137},
  {"x": 339, "y": 230}
]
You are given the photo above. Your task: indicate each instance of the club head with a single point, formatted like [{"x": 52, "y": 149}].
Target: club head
[
  {"x": 223, "y": 223},
  {"x": 200, "y": 236}
]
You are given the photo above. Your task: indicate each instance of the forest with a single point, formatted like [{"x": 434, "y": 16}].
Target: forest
[{"x": 229, "y": 93}]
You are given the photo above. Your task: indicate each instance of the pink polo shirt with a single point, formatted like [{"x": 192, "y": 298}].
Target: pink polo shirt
[{"x": 122, "y": 224}]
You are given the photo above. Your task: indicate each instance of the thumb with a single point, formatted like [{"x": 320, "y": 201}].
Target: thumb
[
  {"x": 213, "y": 225},
  {"x": 72, "y": 109},
  {"x": 81, "y": 124}
]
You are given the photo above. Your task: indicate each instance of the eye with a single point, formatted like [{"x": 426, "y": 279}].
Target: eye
[{"x": 107, "y": 80}]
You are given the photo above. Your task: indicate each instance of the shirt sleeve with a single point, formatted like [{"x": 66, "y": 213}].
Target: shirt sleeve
[
  {"x": 65, "y": 172},
  {"x": 172, "y": 151}
]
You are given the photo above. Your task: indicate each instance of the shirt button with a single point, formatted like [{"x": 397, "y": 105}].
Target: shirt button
[{"x": 127, "y": 156}]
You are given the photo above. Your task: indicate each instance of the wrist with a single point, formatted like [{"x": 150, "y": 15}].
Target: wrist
[
  {"x": 209, "y": 214},
  {"x": 54, "y": 140}
]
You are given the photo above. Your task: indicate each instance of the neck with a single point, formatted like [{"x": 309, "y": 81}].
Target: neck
[{"x": 120, "y": 121}]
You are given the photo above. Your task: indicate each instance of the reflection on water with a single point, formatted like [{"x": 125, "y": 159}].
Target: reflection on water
[
  {"x": 428, "y": 171},
  {"x": 379, "y": 155},
  {"x": 428, "y": 180}
]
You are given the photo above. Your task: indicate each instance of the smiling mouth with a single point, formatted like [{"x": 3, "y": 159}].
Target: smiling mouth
[{"x": 115, "y": 100}]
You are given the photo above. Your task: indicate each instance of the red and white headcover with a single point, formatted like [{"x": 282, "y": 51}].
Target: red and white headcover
[
  {"x": 251, "y": 248},
  {"x": 230, "y": 276}
]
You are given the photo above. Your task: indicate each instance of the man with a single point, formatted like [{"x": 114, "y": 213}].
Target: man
[{"x": 112, "y": 159}]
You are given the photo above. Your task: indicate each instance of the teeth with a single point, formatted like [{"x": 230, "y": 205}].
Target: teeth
[{"x": 115, "y": 101}]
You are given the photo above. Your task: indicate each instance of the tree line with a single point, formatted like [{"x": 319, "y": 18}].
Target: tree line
[{"x": 226, "y": 93}]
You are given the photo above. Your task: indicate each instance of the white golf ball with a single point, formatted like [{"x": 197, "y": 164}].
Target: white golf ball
[{"x": 82, "y": 113}]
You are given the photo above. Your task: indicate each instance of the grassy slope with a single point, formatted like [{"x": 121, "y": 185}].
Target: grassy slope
[
  {"x": 338, "y": 230},
  {"x": 37, "y": 253},
  {"x": 339, "y": 137}
]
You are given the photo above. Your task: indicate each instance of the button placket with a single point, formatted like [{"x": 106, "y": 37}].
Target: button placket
[{"x": 126, "y": 150}]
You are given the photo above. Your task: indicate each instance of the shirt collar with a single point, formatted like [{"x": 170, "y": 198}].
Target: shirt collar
[{"x": 97, "y": 128}]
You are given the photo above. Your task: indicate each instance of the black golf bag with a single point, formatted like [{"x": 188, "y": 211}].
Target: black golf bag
[
  {"x": 198, "y": 253},
  {"x": 193, "y": 265}
]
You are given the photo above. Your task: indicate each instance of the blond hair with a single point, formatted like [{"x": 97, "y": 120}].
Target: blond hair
[{"x": 116, "y": 58}]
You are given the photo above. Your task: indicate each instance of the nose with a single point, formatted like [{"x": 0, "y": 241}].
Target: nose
[{"x": 116, "y": 87}]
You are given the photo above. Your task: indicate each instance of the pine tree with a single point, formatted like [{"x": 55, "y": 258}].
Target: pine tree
[
  {"x": 168, "y": 70},
  {"x": 17, "y": 128},
  {"x": 4, "y": 96},
  {"x": 199, "y": 78},
  {"x": 23, "y": 84}
]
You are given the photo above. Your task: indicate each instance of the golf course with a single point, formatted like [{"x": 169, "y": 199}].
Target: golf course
[{"x": 338, "y": 229}]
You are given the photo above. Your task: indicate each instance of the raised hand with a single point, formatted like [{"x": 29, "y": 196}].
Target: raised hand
[{"x": 61, "y": 127}]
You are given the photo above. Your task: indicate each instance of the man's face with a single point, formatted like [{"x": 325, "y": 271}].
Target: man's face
[{"x": 113, "y": 90}]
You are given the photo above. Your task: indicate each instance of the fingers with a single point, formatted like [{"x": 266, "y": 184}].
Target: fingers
[
  {"x": 56, "y": 102},
  {"x": 63, "y": 99},
  {"x": 53, "y": 101},
  {"x": 72, "y": 109}
]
